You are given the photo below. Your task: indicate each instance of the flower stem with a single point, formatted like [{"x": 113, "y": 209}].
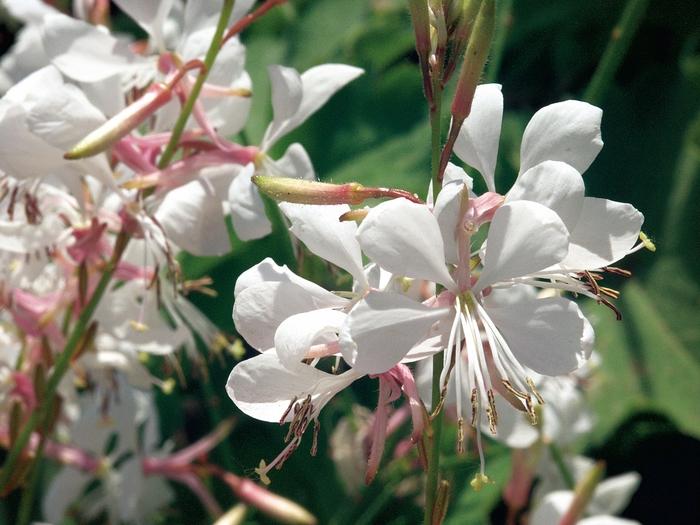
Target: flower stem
[
  {"x": 620, "y": 40},
  {"x": 188, "y": 106},
  {"x": 40, "y": 416},
  {"x": 26, "y": 504}
]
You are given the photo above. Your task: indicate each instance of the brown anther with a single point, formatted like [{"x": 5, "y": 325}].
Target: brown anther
[
  {"x": 314, "y": 442},
  {"x": 592, "y": 282},
  {"x": 475, "y": 406},
  {"x": 491, "y": 413},
  {"x": 530, "y": 410},
  {"x": 512, "y": 390},
  {"x": 603, "y": 300},
  {"x": 460, "y": 435},
  {"x": 537, "y": 395},
  {"x": 610, "y": 292},
  {"x": 13, "y": 201},
  {"x": 289, "y": 409},
  {"x": 618, "y": 271}
]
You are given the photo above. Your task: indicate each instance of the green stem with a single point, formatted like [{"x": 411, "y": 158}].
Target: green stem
[
  {"x": 201, "y": 78},
  {"x": 620, "y": 40},
  {"x": 505, "y": 19},
  {"x": 433, "y": 476},
  {"x": 40, "y": 416},
  {"x": 26, "y": 504},
  {"x": 558, "y": 459}
]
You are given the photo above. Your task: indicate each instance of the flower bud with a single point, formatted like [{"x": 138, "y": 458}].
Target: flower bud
[
  {"x": 121, "y": 124},
  {"x": 474, "y": 60},
  {"x": 461, "y": 18},
  {"x": 313, "y": 192}
]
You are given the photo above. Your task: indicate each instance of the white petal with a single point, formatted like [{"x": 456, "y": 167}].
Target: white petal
[
  {"x": 552, "y": 508},
  {"x": 85, "y": 53},
  {"x": 247, "y": 207},
  {"x": 555, "y": 185},
  {"x": 192, "y": 217},
  {"x": 259, "y": 309},
  {"x": 321, "y": 230},
  {"x": 477, "y": 142},
  {"x": 612, "y": 495},
  {"x": 447, "y": 212},
  {"x": 286, "y": 87},
  {"x": 297, "y": 333},
  {"x": 263, "y": 388},
  {"x": 404, "y": 238},
  {"x": 149, "y": 15},
  {"x": 381, "y": 329},
  {"x": 454, "y": 173},
  {"x": 543, "y": 334},
  {"x": 269, "y": 271},
  {"x": 318, "y": 85},
  {"x": 524, "y": 237},
  {"x": 605, "y": 232},
  {"x": 28, "y": 11},
  {"x": 295, "y": 163},
  {"x": 64, "y": 490},
  {"x": 567, "y": 131}
]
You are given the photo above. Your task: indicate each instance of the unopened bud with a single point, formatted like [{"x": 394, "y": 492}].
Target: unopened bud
[
  {"x": 279, "y": 508},
  {"x": 442, "y": 499},
  {"x": 303, "y": 191},
  {"x": 234, "y": 516},
  {"x": 461, "y": 18},
  {"x": 121, "y": 124},
  {"x": 474, "y": 60}
]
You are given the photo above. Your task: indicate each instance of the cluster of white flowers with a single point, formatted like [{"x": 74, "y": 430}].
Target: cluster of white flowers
[{"x": 436, "y": 282}]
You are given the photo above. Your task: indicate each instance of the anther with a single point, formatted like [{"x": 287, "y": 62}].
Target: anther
[
  {"x": 475, "y": 406},
  {"x": 537, "y": 395},
  {"x": 491, "y": 413},
  {"x": 530, "y": 410},
  {"x": 512, "y": 390},
  {"x": 460, "y": 435}
]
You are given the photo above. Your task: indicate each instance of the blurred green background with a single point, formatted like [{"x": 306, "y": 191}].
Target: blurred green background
[{"x": 647, "y": 394}]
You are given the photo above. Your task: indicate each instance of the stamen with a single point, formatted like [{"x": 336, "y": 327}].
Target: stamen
[
  {"x": 491, "y": 413},
  {"x": 530, "y": 410},
  {"x": 460, "y": 435},
  {"x": 606, "y": 302},
  {"x": 475, "y": 405},
  {"x": 618, "y": 271},
  {"x": 314, "y": 442},
  {"x": 610, "y": 292},
  {"x": 289, "y": 409},
  {"x": 537, "y": 395},
  {"x": 516, "y": 393}
]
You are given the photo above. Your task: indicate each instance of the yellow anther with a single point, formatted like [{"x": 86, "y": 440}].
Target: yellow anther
[
  {"x": 480, "y": 481},
  {"x": 138, "y": 326},
  {"x": 237, "y": 350},
  {"x": 406, "y": 283},
  {"x": 168, "y": 386},
  {"x": 648, "y": 244},
  {"x": 261, "y": 472}
]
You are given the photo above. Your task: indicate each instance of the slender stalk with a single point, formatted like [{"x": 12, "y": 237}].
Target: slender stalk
[
  {"x": 620, "y": 40},
  {"x": 26, "y": 504},
  {"x": 434, "y": 431},
  {"x": 250, "y": 18},
  {"x": 188, "y": 106},
  {"x": 40, "y": 416}
]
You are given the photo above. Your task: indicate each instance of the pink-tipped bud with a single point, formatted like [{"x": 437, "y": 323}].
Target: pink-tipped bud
[
  {"x": 303, "y": 191},
  {"x": 121, "y": 124},
  {"x": 474, "y": 60},
  {"x": 275, "y": 506}
]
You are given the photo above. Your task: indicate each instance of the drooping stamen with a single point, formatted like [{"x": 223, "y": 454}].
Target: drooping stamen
[
  {"x": 537, "y": 395},
  {"x": 491, "y": 413},
  {"x": 460, "y": 435}
]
